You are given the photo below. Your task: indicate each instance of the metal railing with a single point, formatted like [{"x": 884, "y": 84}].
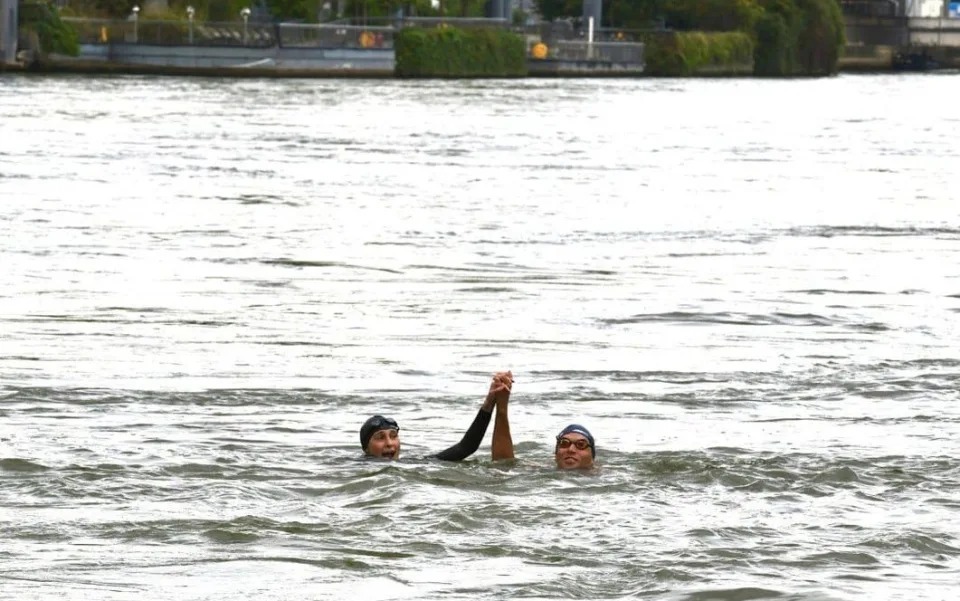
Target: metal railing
[
  {"x": 297, "y": 35},
  {"x": 172, "y": 33},
  {"x": 188, "y": 33},
  {"x": 609, "y": 52},
  {"x": 459, "y": 22}
]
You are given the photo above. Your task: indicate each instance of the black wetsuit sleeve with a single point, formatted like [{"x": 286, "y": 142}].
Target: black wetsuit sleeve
[{"x": 471, "y": 440}]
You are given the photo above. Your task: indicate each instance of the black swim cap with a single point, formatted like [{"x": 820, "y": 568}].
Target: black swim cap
[{"x": 373, "y": 425}]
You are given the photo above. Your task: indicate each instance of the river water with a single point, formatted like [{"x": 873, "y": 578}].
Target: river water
[{"x": 747, "y": 289}]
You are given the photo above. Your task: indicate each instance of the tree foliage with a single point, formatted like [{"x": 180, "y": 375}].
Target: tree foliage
[
  {"x": 711, "y": 15},
  {"x": 551, "y": 10},
  {"x": 789, "y": 37},
  {"x": 821, "y": 37},
  {"x": 53, "y": 34},
  {"x": 798, "y": 37}
]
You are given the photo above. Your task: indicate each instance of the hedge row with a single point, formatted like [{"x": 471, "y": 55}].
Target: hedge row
[
  {"x": 790, "y": 37},
  {"x": 451, "y": 52},
  {"x": 676, "y": 54}
]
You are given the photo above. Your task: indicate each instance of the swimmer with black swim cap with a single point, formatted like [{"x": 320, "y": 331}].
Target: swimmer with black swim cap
[{"x": 380, "y": 436}]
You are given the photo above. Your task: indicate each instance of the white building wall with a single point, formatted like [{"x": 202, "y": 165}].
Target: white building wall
[{"x": 926, "y": 8}]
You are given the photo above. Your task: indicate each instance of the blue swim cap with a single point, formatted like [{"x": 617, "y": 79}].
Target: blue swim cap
[{"x": 578, "y": 429}]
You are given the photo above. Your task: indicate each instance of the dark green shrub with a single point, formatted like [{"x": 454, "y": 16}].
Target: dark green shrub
[
  {"x": 451, "y": 52},
  {"x": 692, "y": 52},
  {"x": 821, "y": 37},
  {"x": 799, "y": 37}
]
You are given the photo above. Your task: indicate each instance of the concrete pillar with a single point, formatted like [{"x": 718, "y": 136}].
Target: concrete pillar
[
  {"x": 8, "y": 31},
  {"x": 592, "y": 8}
]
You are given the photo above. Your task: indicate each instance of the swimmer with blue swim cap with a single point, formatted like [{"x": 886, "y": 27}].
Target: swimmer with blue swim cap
[{"x": 575, "y": 447}]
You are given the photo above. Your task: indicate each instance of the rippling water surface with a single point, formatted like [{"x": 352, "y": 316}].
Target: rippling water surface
[{"x": 748, "y": 290}]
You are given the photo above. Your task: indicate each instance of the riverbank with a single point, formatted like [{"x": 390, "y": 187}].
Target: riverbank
[
  {"x": 122, "y": 57},
  {"x": 887, "y": 58},
  {"x": 145, "y": 59},
  {"x": 873, "y": 59}
]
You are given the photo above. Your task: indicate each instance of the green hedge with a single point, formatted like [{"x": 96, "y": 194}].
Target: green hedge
[
  {"x": 452, "y": 52},
  {"x": 799, "y": 37},
  {"x": 676, "y": 54},
  {"x": 54, "y": 35},
  {"x": 791, "y": 37}
]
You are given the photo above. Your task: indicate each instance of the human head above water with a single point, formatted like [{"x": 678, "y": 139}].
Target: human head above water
[
  {"x": 380, "y": 437},
  {"x": 575, "y": 448}
]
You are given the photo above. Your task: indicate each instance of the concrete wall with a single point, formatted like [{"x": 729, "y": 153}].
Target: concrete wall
[
  {"x": 867, "y": 58},
  {"x": 8, "y": 31},
  {"x": 901, "y": 31},
  {"x": 234, "y": 60},
  {"x": 934, "y": 32},
  {"x": 575, "y": 68}
]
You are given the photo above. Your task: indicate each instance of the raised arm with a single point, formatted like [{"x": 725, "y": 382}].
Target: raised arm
[
  {"x": 502, "y": 445},
  {"x": 472, "y": 438}
]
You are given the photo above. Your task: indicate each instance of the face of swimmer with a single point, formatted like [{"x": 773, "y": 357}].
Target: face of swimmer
[
  {"x": 380, "y": 437},
  {"x": 384, "y": 444},
  {"x": 574, "y": 448}
]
